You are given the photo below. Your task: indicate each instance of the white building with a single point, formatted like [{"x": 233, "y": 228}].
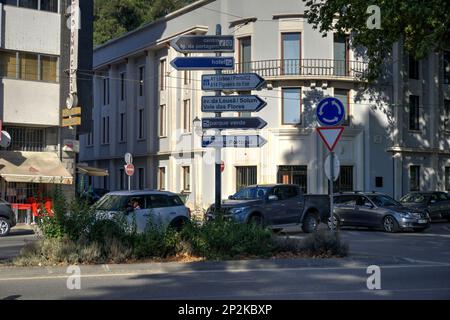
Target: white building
[
  {"x": 143, "y": 106},
  {"x": 34, "y": 54}
]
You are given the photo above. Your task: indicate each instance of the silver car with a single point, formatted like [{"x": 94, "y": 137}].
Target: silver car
[
  {"x": 163, "y": 209},
  {"x": 378, "y": 211}
]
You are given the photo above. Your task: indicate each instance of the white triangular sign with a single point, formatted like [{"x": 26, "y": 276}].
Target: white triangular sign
[{"x": 330, "y": 136}]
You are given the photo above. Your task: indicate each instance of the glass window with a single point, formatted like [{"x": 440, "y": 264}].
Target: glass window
[
  {"x": 49, "y": 5},
  {"x": 447, "y": 115},
  {"x": 187, "y": 120},
  {"x": 49, "y": 68},
  {"x": 186, "y": 178},
  {"x": 141, "y": 178},
  {"x": 291, "y": 51},
  {"x": 122, "y": 86},
  {"x": 414, "y": 198},
  {"x": 122, "y": 127},
  {"x": 245, "y": 55},
  {"x": 447, "y": 67},
  {"x": 141, "y": 124},
  {"x": 31, "y": 4},
  {"x": 159, "y": 201},
  {"x": 175, "y": 201},
  {"x": 292, "y": 105},
  {"x": 246, "y": 176},
  {"x": 141, "y": 81},
  {"x": 414, "y": 113},
  {"x": 122, "y": 179},
  {"x": 162, "y": 121},
  {"x": 8, "y": 64},
  {"x": 341, "y": 55},
  {"x": 162, "y": 75},
  {"x": 414, "y": 178},
  {"x": 297, "y": 175},
  {"x": 447, "y": 178},
  {"x": 346, "y": 200},
  {"x": 383, "y": 201},
  {"x": 345, "y": 180},
  {"x": 343, "y": 96},
  {"x": 413, "y": 68},
  {"x": 28, "y": 66},
  {"x": 105, "y": 91},
  {"x": 161, "y": 178}
]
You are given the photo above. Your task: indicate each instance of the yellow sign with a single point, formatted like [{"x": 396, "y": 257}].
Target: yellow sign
[
  {"x": 70, "y": 122},
  {"x": 71, "y": 112}
]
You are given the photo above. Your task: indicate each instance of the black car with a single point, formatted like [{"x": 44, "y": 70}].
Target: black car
[
  {"x": 378, "y": 211},
  {"x": 436, "y": 204},
  {"x": 7, "y": 218}
]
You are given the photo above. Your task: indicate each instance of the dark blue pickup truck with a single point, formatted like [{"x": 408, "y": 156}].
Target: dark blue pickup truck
[{"x": 276, "y": 206}]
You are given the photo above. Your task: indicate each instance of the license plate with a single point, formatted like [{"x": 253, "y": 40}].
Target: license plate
[{"x": 423, "y": 221}]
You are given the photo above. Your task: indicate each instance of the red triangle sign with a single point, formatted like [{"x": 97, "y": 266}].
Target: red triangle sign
[{"x": 330, "y": 136}]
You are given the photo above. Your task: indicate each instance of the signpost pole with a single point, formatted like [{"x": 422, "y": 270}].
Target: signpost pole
[
  {"x": 129, "y": 183},
  {"x": 218, "y": 151},
  {"x": 331, "y": 190}
]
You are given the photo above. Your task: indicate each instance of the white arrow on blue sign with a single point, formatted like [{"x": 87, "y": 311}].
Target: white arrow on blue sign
[
  {"x": 243, "y": 103},
  {"x": 203, "y": 63},
  {"x": 233, "y": 123},
  {"x": 330, "y": 112},
  {"x": 238, "y": 81},
  {"x": 250, "y": 141},
  {"x": 191, "y": 43}
]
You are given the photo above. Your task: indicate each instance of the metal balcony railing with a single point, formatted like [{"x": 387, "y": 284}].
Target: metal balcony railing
[{"x": 305, "y": 67}]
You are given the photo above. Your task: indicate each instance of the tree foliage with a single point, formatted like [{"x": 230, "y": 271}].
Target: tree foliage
[
  {"x": 422, "y": 25},
  {"x": 113, "y": 18}
]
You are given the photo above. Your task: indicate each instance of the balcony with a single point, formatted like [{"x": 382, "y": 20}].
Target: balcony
[{"x": 306, "y": 69}]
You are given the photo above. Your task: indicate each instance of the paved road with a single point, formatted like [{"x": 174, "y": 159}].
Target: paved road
[
  {"x": 10, "y": 246},
  {"x": 413, "y": 266}
]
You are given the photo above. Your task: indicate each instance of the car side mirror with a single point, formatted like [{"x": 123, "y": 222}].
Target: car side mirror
[{"x": 273, "y": 198}]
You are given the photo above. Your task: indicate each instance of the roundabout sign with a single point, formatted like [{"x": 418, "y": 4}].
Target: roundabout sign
[{"x": 330, "y": 112}]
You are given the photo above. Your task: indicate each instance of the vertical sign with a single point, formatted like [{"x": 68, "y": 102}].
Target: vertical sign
[{"x": 74, "y": 26}]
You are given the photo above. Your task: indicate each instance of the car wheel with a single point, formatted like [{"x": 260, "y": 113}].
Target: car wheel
[
  {"x": 390, "y": 224},
  {"x": 256, "y": 220},
  {"x": 310, "y": 223},
  {"x": 336, "y": 223},
  {"x": 179, "y": 224},
  {"x": 5, "y": 227}
]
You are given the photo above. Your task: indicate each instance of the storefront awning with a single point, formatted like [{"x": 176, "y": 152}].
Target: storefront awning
[
  {"x": 33, "y": 167},
  {"x": 93, "y": 172}
]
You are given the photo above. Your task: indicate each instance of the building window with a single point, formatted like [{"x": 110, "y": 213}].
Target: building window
[
  {"x": 345, "y": 180},
  {"x": 344, "y": 96},
  {"x": 187, "y": 117},
  {"x": 122, "y": 127},
  {"x": 105, "y": 91},
  {"x": 447, "y": 115},
  {"x": 245, "y": 55},
  {"x": 162, "y": 75},
  {"x": 186, "y": 178},
  {"x": 447, "y": 67},
  {"x": 186, "y": 74},
  {"x": 291, "y": 106},
  {"x": 105, "y": 183},
  {"x": 105, "y": 130},
  {"x": 447, "y": 178},
  {"x": 162, "y": 121},
  {"x": 341, "y": 55},
  {"x": 141, "y": 81},
  {"x": 141, "y": 178},
  {"x": 43, "y": 5},
  {"x": 30, "y": 4},
  {"x": 89, "y": 140},
  {"x": 414, "y": 178},
  {"x": 291, "y": 53},
  {"x": 122, "y": 86},
  {"x": 297, "y": 175},
  {"x": 26, "y": 139},
  {"x": 414, "y": 113},
  {"x": 8, "y": 64},
  {"x": 28, "y": 66},
  {"x": 246, "y": 176},
  {"x": 122, "y": 179},
  {"x": 161, "y": 178},
  {"x": 141, "y": 124},
  {"x": 49, "y": 5},
  {"x": 413, "y": 68},
  {"x": 48, "y": 68}
]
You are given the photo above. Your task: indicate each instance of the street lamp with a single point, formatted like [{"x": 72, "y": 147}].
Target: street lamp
[{"x": 197, "y": 123}]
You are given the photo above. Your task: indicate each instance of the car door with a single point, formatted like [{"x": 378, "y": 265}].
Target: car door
[
  {"x": 291, "y": 205},
  {"x": 434, "y": 206},
  {"x": 366, "y": 214},
  {"x": 441, "y": 204},
  {"x": 161, "y": 212},
  {"x": 345, "y": 208},
  {"x": 274, "y": 208}
]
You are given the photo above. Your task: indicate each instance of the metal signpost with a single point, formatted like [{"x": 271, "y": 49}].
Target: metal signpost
[
  {"x": 129, "y": 168},
  {"x": 330, "y": 113},
  {"x": 217, "y": 104}
]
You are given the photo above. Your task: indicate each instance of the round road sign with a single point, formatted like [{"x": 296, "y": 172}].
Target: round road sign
[
  {"x": 330, "y": 112},
  {"x": 337, "y": 167},
  {"x": 128, "y": 158},
  {"x": 129, "y": 169}
]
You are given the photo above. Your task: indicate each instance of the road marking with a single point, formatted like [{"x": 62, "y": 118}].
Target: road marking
[{"x": 239, "y": 270}]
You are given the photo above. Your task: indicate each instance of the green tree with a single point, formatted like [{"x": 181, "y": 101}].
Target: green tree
[
  {"x": 113, "y": 18},
  {"x": 422, "y": 25}
]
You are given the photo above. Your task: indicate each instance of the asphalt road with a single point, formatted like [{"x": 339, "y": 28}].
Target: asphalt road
[
  {"x": 10, "y": 246},
  {"x": 413, "y": 266}
]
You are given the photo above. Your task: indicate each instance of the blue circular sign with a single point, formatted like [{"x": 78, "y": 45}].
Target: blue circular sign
[{"x": 330, "y": 112}]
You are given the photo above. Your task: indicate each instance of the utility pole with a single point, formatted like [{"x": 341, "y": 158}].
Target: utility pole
[{"x": 218, "y": 150}]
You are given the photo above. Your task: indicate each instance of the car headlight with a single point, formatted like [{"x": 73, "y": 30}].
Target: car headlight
[
  {"x": 406, "y": 215},
  {"x": 238, "y": 210}
]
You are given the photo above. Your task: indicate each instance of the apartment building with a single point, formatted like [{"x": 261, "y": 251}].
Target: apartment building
[
  {"x": 34, "y": 63},
  {"x": 393, "y": 141}
]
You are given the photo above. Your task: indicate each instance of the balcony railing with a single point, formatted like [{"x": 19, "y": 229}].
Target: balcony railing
[{"x": 323, "y": 68}]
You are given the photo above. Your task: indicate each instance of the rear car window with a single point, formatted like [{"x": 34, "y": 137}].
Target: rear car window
[
  {"x": 159, "y": 201},
  {"x": 346, "y": 200},
  {"x": 175, "y": 201}
]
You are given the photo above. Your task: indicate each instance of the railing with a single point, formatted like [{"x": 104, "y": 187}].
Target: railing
[{"x": 305, "y": 67}]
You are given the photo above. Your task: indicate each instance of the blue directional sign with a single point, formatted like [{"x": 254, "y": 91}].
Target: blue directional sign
[
  {"x": 236, "y": 81},
  {"x": 242, "y": 103},
  {"x": 191, "y": 43},
  {"x": 240, "y": 141},
  {"x": 203, "y": 63},
  {"x": 233, "y": 123},
  {"x": 330, "y": 112}
]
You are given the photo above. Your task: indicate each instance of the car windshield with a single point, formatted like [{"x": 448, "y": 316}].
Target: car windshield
[
  {"x": 111, "y": 203},
  {"x": 251, "y": 194},
  {"x": 414, "y": 198},
  {"x": 383, "y": 201}
]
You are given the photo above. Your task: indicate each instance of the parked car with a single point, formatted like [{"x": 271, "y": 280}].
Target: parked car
[
  {"x": 377, "y": 210},
  {"x": 276, "y": 206},
  {"x": 7, "y": 218},
  {"x": 165, "y": 209},
  {"x": 436, "y": 204}
]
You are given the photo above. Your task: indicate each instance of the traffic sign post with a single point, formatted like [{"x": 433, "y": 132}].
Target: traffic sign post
[
  {"x": 239, "y": 82},
  {"x": 129, "y": 168},
  {"x": 244, "y": 103}
]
